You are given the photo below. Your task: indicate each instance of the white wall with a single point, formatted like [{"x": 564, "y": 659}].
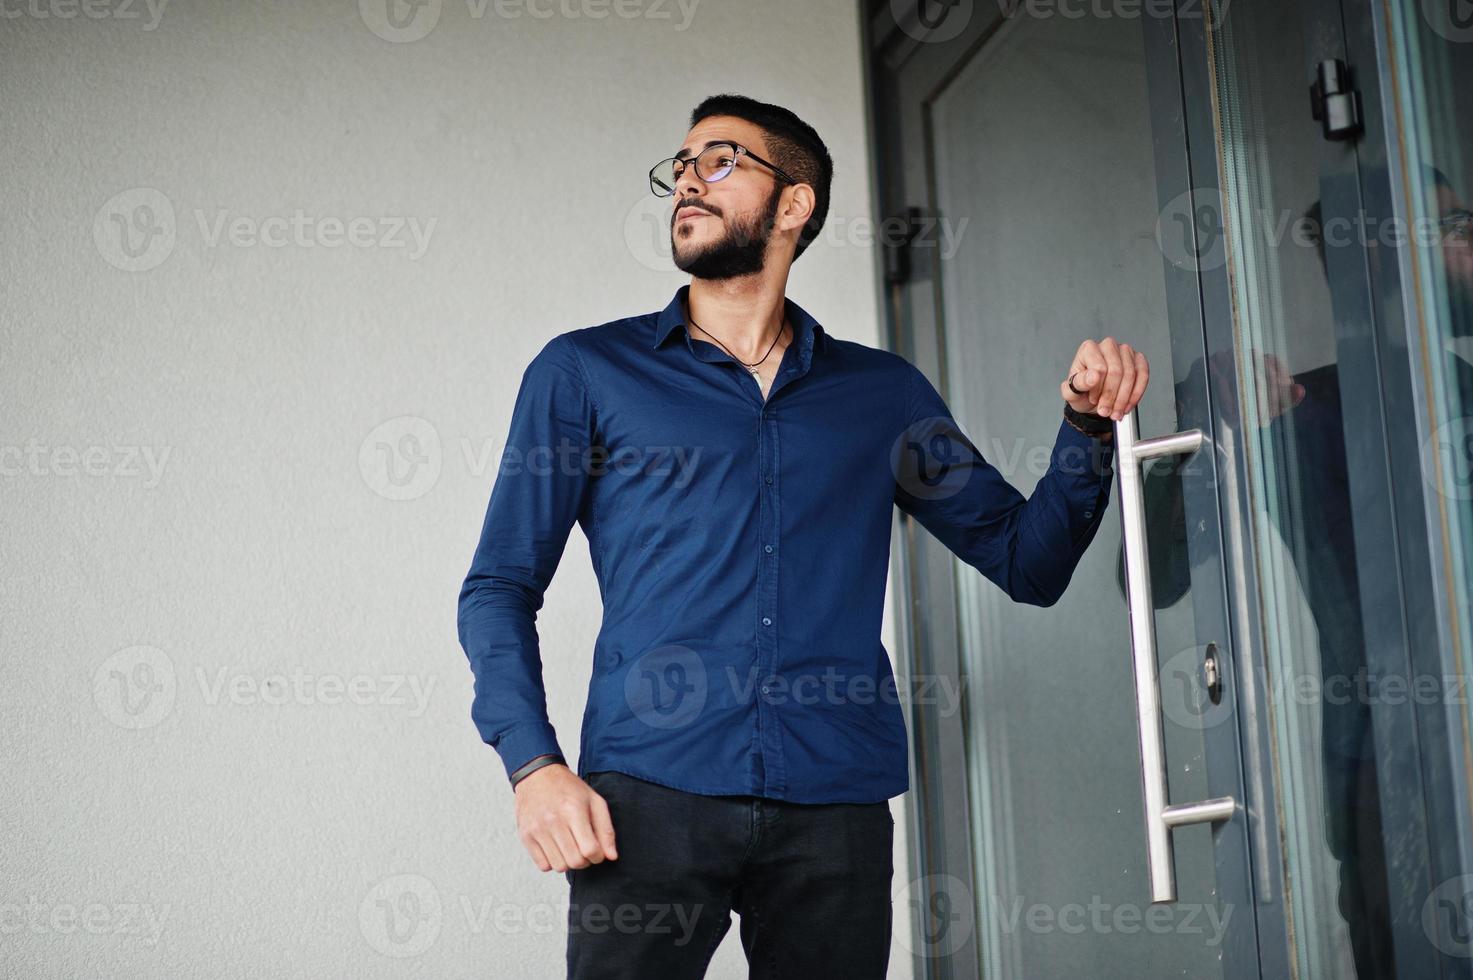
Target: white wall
[{"x": 171, "y": 806}]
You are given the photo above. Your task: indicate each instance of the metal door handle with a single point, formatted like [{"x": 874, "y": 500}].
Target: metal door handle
[{"x": 1161, "y": 817}]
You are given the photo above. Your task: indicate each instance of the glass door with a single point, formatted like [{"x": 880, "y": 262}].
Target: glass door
[
  {"x": 1043, "y": 164},
  {"x": 1270, "y": 199},
  {"x": 1429, "y": 47},
  {"x": 1288, "y": 366},
  {"x": 1361, "y": 740}
]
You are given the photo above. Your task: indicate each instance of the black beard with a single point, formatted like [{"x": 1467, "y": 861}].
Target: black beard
[{"x": 741, "y": 252}]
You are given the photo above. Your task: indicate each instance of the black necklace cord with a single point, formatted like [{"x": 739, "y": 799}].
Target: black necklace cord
[{"x": 728, "y": 350}]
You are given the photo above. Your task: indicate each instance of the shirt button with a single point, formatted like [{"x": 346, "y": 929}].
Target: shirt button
[
  {"x": 766, "y": 689},
  {"x": 769, "y": 478},
  {"x": 766, "y": 621},
  {"x": 769, "y": 549},
  {"x": 1089, "y": 513}
]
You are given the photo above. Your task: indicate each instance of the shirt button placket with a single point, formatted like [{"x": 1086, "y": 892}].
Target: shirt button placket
[{"x": 767, "y": 574}]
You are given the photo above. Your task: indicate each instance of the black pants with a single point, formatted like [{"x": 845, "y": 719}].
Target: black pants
[{"x": 811, "y": 883}]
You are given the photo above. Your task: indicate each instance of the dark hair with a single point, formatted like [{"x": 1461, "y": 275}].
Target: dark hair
[{"x": 792, "y": 145}]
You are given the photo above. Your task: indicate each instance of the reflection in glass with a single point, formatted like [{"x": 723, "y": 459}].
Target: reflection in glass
[
  {"x": 1280, "y": 399},
  {"x": 1436, "y": 85}
]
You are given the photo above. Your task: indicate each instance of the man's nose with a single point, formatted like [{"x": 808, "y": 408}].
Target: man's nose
[{"x": 688, "y": 184}]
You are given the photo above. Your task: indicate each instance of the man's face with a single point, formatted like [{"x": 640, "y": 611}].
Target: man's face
[{"x": 721, "y": 230}]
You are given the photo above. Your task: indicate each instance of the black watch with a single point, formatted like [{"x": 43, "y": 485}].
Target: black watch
[{"x": 1089, "y": 422}]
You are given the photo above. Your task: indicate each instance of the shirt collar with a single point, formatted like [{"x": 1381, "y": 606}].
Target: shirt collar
[{"x": 808, "y": 332}]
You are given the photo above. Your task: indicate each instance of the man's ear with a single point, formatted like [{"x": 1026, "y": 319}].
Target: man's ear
[{"x": 799, "y": 209}]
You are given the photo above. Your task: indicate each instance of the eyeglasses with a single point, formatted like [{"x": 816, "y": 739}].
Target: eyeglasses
[
  {"x": 1457, "y": 226},
  {"x": 713, "y": 163}
]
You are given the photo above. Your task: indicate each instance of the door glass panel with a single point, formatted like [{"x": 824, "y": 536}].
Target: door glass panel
[
  {"x": 1280, "y": 401},
  {"x": 1436, "y": 86},
  {"x": 1043, "y": 146}
]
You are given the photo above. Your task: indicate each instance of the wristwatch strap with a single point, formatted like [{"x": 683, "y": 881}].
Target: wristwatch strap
[
  {"x": 526, "y": 770},
  {"x": 1088, "y": 422}
]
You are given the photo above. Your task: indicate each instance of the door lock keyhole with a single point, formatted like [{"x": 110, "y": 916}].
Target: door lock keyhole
[{"x": 1213, "y": 674}]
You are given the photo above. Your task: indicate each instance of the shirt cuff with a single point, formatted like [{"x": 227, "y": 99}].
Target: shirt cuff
[
  {"x": 1086, "y": 468},
  {"x": 1083, "y": 456},
  {"x": 526, "y": 743}
]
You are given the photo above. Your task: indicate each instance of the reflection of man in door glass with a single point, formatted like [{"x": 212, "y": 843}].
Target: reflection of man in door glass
[
  {"x": 1315, "y": 428},
  {"x": 1455, "y": 227},
  {"x": 1303, "y": 429},
  {"x": 1454, "y": 254},
  {"x": 1354, "y": 811}
]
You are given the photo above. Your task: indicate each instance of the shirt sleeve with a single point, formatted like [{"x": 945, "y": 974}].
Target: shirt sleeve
[
  {"x": 1028, "y": 547},
  {"x": 541, "y": 489}
]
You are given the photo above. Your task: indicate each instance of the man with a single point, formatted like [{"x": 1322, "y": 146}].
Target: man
[{"x": 735, "y": 469}]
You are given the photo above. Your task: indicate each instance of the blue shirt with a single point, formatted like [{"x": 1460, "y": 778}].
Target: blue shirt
[{"x": 741, "y": 548}]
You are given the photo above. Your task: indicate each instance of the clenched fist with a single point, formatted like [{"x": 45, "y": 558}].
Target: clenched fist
[
  {"x": 562, "y": 822},
  {"x": 1110, "y": 378}
]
